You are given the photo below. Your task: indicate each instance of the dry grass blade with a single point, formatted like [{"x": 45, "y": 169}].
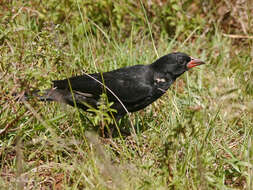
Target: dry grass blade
[{"x": 236, "y": 36}]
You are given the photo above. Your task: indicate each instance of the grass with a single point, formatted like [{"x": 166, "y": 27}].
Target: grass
[{"x": 197, "y": 136}]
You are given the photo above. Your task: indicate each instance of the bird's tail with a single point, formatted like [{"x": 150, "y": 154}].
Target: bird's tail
[
  {"x": 52, "y": 94},
  {"x": 73, "y": 98}
]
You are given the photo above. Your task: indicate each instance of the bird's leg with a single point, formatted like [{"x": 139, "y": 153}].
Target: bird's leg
[{"x": 112, "y": 129}]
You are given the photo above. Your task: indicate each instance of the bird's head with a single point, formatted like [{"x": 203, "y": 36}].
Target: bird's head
[{"x": 175, "y": 64}]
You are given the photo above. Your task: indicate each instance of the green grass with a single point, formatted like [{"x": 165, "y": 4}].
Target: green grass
[{"x": 197, "y": 136}]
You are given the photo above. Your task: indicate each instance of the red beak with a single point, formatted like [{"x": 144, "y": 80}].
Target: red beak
[{"x": 194, "y": 63}]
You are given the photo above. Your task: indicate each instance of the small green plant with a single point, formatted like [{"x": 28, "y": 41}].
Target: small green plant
[{"x": 103, "y": 113}]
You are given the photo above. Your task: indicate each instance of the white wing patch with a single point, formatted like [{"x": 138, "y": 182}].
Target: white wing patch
[{"x": 160, "y": 80}]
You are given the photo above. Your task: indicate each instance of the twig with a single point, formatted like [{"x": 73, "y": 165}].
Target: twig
[{"x": 236, "y": 36}]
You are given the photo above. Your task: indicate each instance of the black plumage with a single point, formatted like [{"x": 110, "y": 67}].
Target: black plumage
[{"x": 135, "y": 87}]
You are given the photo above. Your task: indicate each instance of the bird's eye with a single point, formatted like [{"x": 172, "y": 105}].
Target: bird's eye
[{"x": 180, "y": 60}]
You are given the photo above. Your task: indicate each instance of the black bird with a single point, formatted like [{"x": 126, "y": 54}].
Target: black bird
[{"x": 130, "y": 88}]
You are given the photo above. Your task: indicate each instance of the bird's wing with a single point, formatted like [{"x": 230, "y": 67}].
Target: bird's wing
[
  {"x": 128, "y": 91},
  {"x": 128, "y": 84},
  {"x": 81, "y": 85}
]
